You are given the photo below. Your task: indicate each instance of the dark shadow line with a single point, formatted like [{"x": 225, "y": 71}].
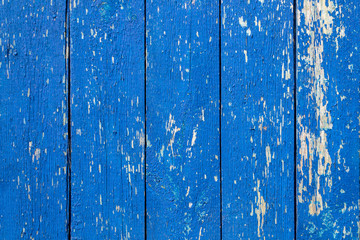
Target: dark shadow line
[
  {"x": 68, "y": 76},
  {"x": 145, "y": 122},
  {"x": 220, "y": 111},
  {"x": 295, "y": 113}
]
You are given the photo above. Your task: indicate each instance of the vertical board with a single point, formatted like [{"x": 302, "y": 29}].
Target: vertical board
[
  {"x": 182, "y": 102},
  {"x": 107, "y": 113},
  {"x": 257, "y": 120},
  {"x": 33, "y": 120},
  {"x": 328, "y": 119}
]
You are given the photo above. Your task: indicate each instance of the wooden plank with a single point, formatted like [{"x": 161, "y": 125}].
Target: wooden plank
[
  {"x": 327, "y": 119},
  {"x": 257, "y": 131},
  {"x": 33, "y": 120},
  {"x": 107, "y": 113},
  {"x": 182, "y": 100}
]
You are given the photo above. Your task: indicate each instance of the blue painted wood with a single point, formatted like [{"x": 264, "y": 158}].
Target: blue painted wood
[
  {"x": 257, "y": 134},
  {"x": 33, "y": 120},
  {"x": 328, "y": 119},
  {"x": 184, "y": 179},
  {"x": 182, "y": 100},
  {"x": 107, "y": 113}
]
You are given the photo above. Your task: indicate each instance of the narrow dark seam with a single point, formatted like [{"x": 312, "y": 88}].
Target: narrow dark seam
[
  {"x": 220, "y": 111},
  {"x": 295, "y": 115},
  {"x": 145, "y": 144},
  {"x": 68, "y": 163}
]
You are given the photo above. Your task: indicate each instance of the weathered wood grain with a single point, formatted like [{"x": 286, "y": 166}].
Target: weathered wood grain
[
  {"x": 208, "y": 176},
  {"x": 257, "y": 134},
  {"x": 107, "y": 113},
  {"x": 33, "y": 120},
  {"x": 182, "y": 100},
  {"x": 328, "y": 119}
]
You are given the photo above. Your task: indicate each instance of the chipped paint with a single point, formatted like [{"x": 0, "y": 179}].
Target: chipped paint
[
  {"x": 322, "y": 163},
  {"x": 107, "y": 119},
  {"x": 182, "y": 97},
  {"x": 257, "y": 131},
  {"x": 102, "y": 101},
  {"x": 260, "y": 210},
  {"x": 33, "y": 119}
]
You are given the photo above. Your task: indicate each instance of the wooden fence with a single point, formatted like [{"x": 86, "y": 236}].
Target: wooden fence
[{"x": 179, "y": 119}]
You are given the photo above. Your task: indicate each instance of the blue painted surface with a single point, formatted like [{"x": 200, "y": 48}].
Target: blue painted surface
[
  {"x": 107, "y": 120},
  {"x": 257, "y": 131},
  {"x": 210, "y": 173},
  {"x": 182, "y": 100},
  {"x": 33, "y": 120},
  {"x": 328, "y": 119}
]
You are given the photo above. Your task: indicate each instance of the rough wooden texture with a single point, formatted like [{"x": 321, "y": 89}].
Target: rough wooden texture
[
  {"x": 257, "y": 134},
  {"x": 107, "y": 113},
  {"x": 33, "y": 120},
  {"x": 182, "y": 99},
  {"x": 328, "y": 119},
  {"x": 140, "y": 82}
]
